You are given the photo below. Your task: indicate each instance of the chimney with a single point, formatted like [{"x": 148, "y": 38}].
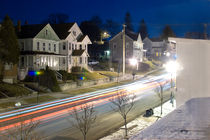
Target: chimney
[{"x": 19, "y": 26}]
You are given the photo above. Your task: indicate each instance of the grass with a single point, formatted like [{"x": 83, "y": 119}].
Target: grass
[
  {"x": 43, "y": 98},
  {"x": 13, "y": 90},
  {"x": 85, "y": 90},
  {"x": 7, "y": 104},
  {"x": 80, "y": 91},
  {"x": 109, "y": 73},
  {"x": 93, "y": 75}
]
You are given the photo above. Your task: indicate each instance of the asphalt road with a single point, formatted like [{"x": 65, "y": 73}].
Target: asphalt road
[{"x": 55, "y": 121}]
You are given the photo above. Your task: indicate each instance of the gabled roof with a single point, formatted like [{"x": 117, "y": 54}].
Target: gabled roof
[
  {"x": 62, "y": 30},
  {"x": 131, "y": 34},
  {"x": 38, "y": 53},
  {"x": 80, "y": 38},
  {"x": 77, "y": 52},
  {"x": 29, "y": 31}
]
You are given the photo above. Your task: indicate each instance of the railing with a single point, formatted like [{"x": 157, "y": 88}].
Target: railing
[{"x": 58, "y": 76}]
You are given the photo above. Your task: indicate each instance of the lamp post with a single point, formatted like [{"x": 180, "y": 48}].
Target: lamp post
[
  {"x": 171, "y": 67},
  {"x": 134, "y": 63}
]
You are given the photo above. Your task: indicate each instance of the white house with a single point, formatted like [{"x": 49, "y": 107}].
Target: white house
[
  {"x": 71, "y": 40},
  {"x": 39, "y": 46}
]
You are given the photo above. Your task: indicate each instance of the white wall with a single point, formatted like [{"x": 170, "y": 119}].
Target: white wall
[{"x": 193, "y": 80}]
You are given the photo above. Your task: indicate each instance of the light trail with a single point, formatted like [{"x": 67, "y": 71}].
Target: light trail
[{"x": 96, "y": 98}]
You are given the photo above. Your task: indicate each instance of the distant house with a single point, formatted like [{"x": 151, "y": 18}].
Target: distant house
[
  {"x": 154, "y": 47},
  {"x": 39, "y": 46},
  {"x": 72, "y": 41},
  {"x": 133, "y": 47}
]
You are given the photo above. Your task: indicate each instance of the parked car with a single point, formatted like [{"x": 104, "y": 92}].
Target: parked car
[{"x": 93, "y": 62}]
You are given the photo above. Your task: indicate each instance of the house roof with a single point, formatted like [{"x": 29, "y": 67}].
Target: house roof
[
  {"x": 62, "y": 30},
  {"x": 131, "y": 34},
  {"x": 77, "y": 52},
  {"x": 37, "y": 52},
  {"x": 80, "y": 39},
  {"x": 29, "y": 31}
]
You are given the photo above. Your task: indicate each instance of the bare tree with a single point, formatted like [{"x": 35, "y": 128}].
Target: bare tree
[
  {"x": 159, "y": 91},
  {"x": 24, "y": 130},
  {"x": 85, "y": 117},
  {"x": 123, "y": 103}
]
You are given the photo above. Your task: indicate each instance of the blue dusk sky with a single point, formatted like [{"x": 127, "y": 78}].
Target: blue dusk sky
[{"x": 181, "y": 15}]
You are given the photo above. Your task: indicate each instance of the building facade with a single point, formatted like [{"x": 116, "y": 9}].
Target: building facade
[
  {"x": 133, "y": 47},
  {"x": 72, "y": 39},
  {"x": 44, "y": 45},
  {"x": 155, "y": 48}
]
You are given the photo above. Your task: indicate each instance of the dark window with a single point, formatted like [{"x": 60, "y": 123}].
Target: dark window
[
  {"x": 75, "y": 46},
  {"x": 22, "y": 61},
  {"x": 64, "y": 46},
  {"x": 69, "y": 46},
  {"x": 46, "y": 32},
  {"x": 72, "y": 46},
  {"x": 115, "y": 46},
  {"x": 37, "y": 45},
  {"x": 64, "y": 61},
  {"x": 74, "y": 33},
  {"x": 80, "y": 60},
  {"x": 49, "y": 47},
  {"x": 22, "y": 46},
  {"x": 80, "y": 46},
  {"x": 54, "y": 47}
]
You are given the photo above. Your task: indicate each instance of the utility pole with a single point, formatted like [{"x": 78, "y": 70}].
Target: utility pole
[
  {"x": 124, "y": 49},
  {"x": 205, "y": 30}
]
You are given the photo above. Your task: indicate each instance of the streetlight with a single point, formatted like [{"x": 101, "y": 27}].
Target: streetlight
[
  {"x": 134, "y": 63},
  {"x": 171, "y": 67}
]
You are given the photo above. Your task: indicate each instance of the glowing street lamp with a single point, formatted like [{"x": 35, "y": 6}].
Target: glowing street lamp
[
  {"x": 171, "y": 67},
  {"x": 134, "y": 63}
]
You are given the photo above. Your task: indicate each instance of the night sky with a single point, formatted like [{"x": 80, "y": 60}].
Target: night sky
[{"x": 182, "y": 15}]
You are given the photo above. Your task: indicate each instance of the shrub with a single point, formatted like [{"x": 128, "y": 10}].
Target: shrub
[{"x": 48, "y": 79}]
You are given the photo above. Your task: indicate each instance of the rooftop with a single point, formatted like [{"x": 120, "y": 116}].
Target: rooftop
[{"x": 189, "y": 121}]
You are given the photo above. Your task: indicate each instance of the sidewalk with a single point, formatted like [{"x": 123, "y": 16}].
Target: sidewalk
[{"x": 141, "y": 122}]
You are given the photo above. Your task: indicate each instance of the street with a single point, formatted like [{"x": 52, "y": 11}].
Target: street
[{"x": 55, "y": 120}]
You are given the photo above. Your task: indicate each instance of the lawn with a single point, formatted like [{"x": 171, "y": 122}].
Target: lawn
[
  {"x": 108, "y": 73},
  {"x": 13, "y": 90},
  {"x": 7, "y": 104}
]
